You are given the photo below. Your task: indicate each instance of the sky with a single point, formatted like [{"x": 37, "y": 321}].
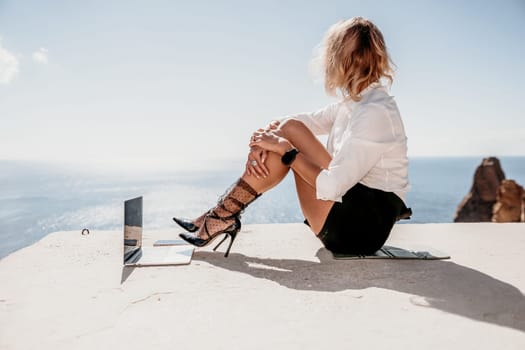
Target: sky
[{"x": 185, "y": 83}]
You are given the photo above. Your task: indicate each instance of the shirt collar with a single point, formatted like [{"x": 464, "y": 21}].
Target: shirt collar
[
  {"x": 369, "y": 88},
  {"x": 375, "y": 85}
]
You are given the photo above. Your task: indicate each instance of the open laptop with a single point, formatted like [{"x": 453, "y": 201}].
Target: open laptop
[{"x": 137, "y": 255}]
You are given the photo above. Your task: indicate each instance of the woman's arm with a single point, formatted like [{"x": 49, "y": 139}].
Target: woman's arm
[
  {"x": 369, "y": 136},
  {"x": 319, "y": 122}
]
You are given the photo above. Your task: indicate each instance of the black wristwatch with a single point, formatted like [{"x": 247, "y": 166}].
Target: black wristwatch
[{"x": 288, "y": 158}]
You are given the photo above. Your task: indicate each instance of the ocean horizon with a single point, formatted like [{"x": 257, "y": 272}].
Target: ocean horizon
[{"x": 39, "y": 198}]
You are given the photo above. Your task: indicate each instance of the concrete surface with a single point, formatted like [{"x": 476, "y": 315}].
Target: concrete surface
[{"x": 279, "y": 289}]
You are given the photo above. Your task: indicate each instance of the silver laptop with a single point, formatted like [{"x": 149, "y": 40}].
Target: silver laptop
[{"x": 137, "y": 255}]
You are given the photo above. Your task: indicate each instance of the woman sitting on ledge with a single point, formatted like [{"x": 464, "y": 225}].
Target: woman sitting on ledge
[{"x": 352, "y": 191}]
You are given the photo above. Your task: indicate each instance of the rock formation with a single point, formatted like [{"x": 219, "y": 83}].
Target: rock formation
[
  {"x": 478, "y": 203},
  {"x": 510, "y": 204},
  {"x": 492, "y": 198},
  {"x": 523, "y": 209}
]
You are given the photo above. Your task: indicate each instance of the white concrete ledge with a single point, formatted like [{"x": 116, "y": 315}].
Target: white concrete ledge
[{"x": 278, "y": 289}]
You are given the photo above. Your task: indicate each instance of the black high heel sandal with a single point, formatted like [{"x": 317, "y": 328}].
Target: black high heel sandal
[
  {"x": 238, "y": 196},
  {"x": 186, "y": 224},
  {"x": 230, "y": 231}
]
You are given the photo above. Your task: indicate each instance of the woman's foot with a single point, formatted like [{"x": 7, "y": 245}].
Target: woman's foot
[
  {"x": 200, "y": 220},
  {"x": 208, "y": 225},
  {"x": 190, "y": 225},
  {"x": 213, "y": 231},
  {"x": 223, "y": 218},
  {"x": 233, "y": 202}
]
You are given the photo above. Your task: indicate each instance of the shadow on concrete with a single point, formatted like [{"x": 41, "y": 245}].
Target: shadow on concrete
[
  {"x": 442, "y": 285},
  {"x": 126, "y": 272}
]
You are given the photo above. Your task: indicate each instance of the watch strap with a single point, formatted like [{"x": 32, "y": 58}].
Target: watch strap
[{"x": 288, "y": 158}]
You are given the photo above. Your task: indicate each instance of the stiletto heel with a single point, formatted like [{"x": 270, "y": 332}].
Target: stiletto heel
[
  {"x": 232, "y": 235},
  {"x": 217, "y": 246}
]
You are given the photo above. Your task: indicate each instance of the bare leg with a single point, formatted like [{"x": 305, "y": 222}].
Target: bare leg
[
  {"x": 277, "y": 173},
  {"x": 314, "y": 210}
]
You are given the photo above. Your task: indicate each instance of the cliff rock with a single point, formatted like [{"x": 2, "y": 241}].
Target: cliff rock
[
  {"x": 510, "y": 204},
  {"x": 478, "y": 203}
]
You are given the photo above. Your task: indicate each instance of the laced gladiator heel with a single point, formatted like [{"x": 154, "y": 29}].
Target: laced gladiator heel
[
  {"x": 190, "y": 225},
  {"x": 231, "y": 231},
  {"x": 229, "y": 207}
]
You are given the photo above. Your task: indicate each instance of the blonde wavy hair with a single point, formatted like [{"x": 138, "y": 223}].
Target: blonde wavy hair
[{"x": 353, "y": 56}]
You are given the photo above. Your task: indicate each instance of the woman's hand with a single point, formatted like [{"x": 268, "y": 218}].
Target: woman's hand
[
  {"x": 255, "y": 165},
  {"x": 257, "y": 156},
  {"x": 274, "y": 124},
  {"x": 271, "y": 141}
]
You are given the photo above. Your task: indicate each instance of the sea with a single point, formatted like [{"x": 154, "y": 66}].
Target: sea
[{"x": 38, "y": 198}]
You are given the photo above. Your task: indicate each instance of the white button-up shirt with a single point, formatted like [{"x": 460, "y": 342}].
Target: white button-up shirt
[{"x": 367, "y": 142}]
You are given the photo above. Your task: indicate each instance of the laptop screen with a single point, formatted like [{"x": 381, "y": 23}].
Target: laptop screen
[{"x": 132, "y": 227}]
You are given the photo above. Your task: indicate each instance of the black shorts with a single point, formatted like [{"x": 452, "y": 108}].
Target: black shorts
[{"x": 362, "y": 223}]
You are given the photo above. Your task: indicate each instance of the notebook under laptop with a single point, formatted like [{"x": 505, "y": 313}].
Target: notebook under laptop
[{"x": 137, "y": 255}]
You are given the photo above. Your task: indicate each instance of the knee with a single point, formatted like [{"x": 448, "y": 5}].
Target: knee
[{"x": 291, "y": 126}]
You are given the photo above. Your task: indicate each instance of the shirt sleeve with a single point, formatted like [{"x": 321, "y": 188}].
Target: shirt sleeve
[
  {"x": 319, "y": 122},
  {"x": 368, "y": 136}
]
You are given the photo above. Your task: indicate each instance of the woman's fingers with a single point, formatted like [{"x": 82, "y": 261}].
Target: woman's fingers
[
  {"x": 254, "y": 169},
  {"x": 256, "y": 135},
  {"x": 260, "y": 162},
  {"x": 249, "y": 168},
  {"x": 266, "y": 141},
  {"x": 256, "y": 161},
  {"x": 264, "y": 155},
  {"x": 274, "y": 124},
  {"x": 258, "y": 168}
]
